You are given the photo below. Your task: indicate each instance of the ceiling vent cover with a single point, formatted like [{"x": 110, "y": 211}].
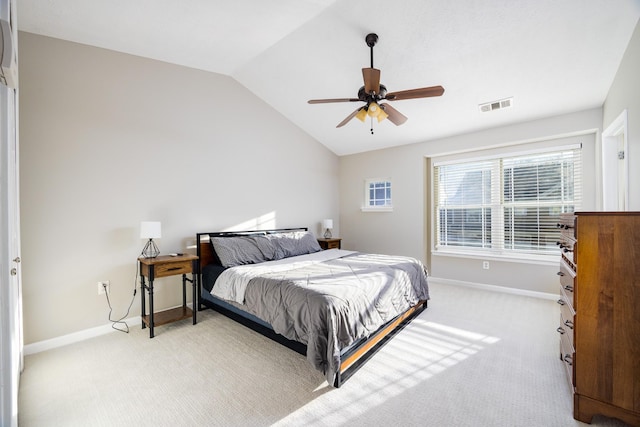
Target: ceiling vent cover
[{"x": 496, "y": 105}]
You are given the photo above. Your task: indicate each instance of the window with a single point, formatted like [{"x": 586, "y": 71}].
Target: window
[
  {"x": 378, "y": 195},
  {"x": 506, "y": 205}
]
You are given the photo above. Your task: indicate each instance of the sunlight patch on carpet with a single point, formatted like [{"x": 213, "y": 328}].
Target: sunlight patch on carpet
[{"x": 422, "y": 350}]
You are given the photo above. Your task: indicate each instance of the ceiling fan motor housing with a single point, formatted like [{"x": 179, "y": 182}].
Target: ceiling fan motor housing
[{"x": 372, "y": 97}]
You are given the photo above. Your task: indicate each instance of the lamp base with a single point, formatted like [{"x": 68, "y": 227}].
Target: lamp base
[
  {"x": 327, "y": 234},
  {"x": 150, "y": 250}
]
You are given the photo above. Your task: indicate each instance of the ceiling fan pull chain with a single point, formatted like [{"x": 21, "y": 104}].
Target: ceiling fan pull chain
[{"x": 371, "y": 125}]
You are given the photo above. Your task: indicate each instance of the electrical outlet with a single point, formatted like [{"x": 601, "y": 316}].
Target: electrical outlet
[
  {"x": 102, "y": 287},
  {"x": 485, "y": 265}
]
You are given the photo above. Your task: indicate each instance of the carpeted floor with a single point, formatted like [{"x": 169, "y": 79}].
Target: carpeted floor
[{"x": 473, "y": 358}]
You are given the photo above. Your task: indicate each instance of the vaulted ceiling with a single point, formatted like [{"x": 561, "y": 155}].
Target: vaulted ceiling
[{"x": 551, "y": 56}]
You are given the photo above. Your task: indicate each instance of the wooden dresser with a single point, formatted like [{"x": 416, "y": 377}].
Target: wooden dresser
[{"x": 600, "y": 313}]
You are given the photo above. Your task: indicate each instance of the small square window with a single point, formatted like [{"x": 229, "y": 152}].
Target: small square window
[{"x": 377, "y": 195}]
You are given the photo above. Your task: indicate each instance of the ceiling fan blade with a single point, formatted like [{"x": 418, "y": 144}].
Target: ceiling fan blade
[
  {"x": 394, "y": 116},
  {"x": 326, "y": 101},
  {"x": 349, "y": 117},
  {"x": 371, "y": 80},
  {"x": 425, "y": 92}
]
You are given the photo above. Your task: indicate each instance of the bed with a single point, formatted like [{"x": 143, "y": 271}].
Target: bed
[{"x": 334, "y": 306}]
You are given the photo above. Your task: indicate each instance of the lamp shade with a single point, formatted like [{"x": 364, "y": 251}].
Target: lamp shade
[
  {"x": 327, "y": 223},
  {"x": 150, "y": 230}
]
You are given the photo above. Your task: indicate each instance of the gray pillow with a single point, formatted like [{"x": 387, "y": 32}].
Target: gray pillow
[
  {"x": 266, "y": 246},
  {"x": 294, "y": 243},
  {"x": 238, "y": 250}
]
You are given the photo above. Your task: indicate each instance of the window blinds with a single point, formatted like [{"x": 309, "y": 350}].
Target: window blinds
[{"x": 506, "y": 204}]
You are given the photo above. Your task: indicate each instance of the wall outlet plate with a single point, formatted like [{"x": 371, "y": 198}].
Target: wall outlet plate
[{"x": 102, "y": 286}]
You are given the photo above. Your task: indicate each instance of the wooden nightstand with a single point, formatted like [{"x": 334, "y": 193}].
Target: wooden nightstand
[
  {"x": 333, "y": 243},
  {"x": 163, "y": 266}
]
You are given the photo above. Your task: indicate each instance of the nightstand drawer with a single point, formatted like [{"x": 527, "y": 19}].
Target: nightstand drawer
[
  {"x": 173, "y": 268},
  {"x": 335, "y": 244},
  {"x": 330, "y": 243}
]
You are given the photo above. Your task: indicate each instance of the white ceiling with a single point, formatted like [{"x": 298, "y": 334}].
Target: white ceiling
[{"x": 551, "y": 56}]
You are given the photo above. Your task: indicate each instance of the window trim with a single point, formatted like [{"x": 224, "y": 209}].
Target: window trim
[
  {"x": 367, "y": 207},
  {"x": 476, "y": 156}
]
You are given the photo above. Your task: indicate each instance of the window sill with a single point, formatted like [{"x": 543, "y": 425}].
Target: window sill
[
  {"x": 380, "y": 209},
  {"x": 489, "y": 256}
]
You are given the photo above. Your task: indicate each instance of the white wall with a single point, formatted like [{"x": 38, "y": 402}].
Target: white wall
[
  {"x": 625, "y": 94},
  {"x": 109, "y": 140},
  {"x": 405, "y": 230}
]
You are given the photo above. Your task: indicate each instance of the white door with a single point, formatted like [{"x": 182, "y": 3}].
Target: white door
[{"x": 10, "y": 284}]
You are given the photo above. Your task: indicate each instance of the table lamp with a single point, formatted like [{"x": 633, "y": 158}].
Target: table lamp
[
  {"x": 327, "y": 224},
  {"x": 150, "y": 230}
]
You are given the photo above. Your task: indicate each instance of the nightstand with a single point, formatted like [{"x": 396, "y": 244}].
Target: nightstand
[
  {"x": 333, "y": 243},
  {"x": 163, "y": 266}
]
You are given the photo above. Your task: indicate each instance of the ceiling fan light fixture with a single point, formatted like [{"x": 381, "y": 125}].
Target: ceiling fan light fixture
[
  {"x": 373, "y": 110},
  {"x": 362, "y": 114},
  {"x": 382, "y": 115}
]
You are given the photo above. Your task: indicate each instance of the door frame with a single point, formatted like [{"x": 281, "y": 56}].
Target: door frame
[{"x": 611, "y": 164}]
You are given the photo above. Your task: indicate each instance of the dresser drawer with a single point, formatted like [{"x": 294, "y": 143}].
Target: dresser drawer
[
  {"x": 567, "y": 248},
  {"x": 567, "y": 223},
  {"x": 568, "y": 354},
  {"x": 566, "y": 324},
  {"x": 567, "y": 283}
]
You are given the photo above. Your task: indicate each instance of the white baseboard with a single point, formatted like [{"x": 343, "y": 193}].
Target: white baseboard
[
  {"x": 75, "y": 337},
  {"x": 494, "y": 288}
]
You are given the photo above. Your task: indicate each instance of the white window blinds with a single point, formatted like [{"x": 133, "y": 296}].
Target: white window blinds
[{"x": 506, "y": 204}]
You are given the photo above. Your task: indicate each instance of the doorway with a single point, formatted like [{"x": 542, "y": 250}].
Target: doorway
[{"x": 615, "y": 165}]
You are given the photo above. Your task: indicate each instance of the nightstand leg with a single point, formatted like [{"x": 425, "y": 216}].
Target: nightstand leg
[
  {"x": 195, "y": 296},
  {"x": 150, "y": 308},
  {"x": 142, "y": 302},
  {"x": 184, "y": 291}
]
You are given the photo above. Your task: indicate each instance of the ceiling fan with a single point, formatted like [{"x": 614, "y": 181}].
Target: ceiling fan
[{"x": 373, "y": 92}]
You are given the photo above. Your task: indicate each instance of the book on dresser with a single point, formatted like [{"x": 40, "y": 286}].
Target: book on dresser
[{"x": 600, "y": 313}]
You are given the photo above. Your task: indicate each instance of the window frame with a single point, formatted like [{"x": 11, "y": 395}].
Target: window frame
[
  {"x": 497, "y": 250},
  {"x": 367, "y": 206}
]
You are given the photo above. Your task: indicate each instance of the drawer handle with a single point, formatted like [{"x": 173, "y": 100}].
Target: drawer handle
[
  {"x": 568, "y": 359},
  {"x": 560, "y": 273},
  {"x": 173, "y": 268},
  {"x": 568, "y": 288},
  {"x": 560, "y": 330},
  {"x": 565, "y": 250},
  {"x": 565, "y": 226},
  {"x": 568, "y": 324},
  {"x": 561, "y": 302}
]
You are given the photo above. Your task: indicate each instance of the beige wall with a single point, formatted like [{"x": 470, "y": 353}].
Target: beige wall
[
  {"x": 405, "y": 230},
  {"x": 108, "y": 140},
  {"x": 625, "y": 94}
]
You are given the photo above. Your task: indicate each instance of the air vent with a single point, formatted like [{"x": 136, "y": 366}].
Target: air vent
[{"x": 496, "y": 105}]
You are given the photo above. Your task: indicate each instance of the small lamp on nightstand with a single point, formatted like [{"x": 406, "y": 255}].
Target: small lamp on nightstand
[
  {"x": 327, "y": 224},
  {"x": 150, "y": 230}
]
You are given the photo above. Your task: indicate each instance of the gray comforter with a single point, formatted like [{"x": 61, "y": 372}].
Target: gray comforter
[{"x": 329, "y": 305}]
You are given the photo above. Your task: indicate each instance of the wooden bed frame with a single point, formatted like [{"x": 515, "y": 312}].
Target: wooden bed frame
[{"x": 351, "y": 360}]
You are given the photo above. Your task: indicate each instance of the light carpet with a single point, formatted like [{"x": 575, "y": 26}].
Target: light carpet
[{"x": 473, "y": 358}]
